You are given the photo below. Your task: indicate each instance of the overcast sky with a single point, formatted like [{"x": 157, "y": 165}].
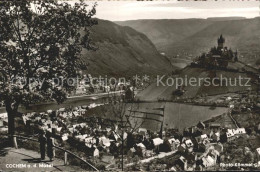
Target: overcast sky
[{"x": 132, "y": 10}]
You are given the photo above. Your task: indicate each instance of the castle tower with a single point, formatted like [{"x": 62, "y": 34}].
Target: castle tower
[
  {"x": 221, "y": 41},
  {"x": 236, "y": 56}
]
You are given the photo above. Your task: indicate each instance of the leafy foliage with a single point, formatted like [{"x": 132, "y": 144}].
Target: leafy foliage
[
  {"x": 40, "y": 45},
  {"x": 41, "y": 40}
]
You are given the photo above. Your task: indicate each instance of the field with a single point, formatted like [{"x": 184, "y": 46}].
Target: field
[
  {"x": 165, "y": 91},
  {"x": 176, "y": 115}
]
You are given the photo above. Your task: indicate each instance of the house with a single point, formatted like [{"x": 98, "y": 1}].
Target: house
[
  {"x": 201, "y": 125},
  {"x": 202, "y": 142},
  {"x": 71, "y": 129},
  {"x": 104, "y": 141},
  {"x": 38, "y": 118},
  {"x": 216, "y": 137},
  {"x": 89, "y": 142},
  {"x": 80, "y": 137},
  {"x": 25, "y": 119},
  {"x": 206, "y": 131},
  {"x": 230, "y": 135},
  {"x": 239, "y": 131},
  {"x": 140, "y": 149},
  {"x": 3, "y": 117},
  {"x": 157, "y": 142},
  {"x": 108, "y": 129},
  {"x": 1, "y": 122},
  {"x": 142, "y": 131},
  {"x": 96, "y": 152},
  {"x": 83, "y": 125},
  {"x": 191, "y": 158},
  {"x": 59, "y": 129},
  {"x": 49, "y": 123},
  {"x": 215, "y": 126},
  {"x": 182, "y": 148},
  {"x": 173, "y": 169},
  {"x": 141, "y": 145},
  {"x": 174, "y": 143},
  {"x": 149, "y": 153},
  {"x": 182, "y": 162},
  {"x": 193, "y": 129},
  {"x": 64, "y": 137},
  {"x": 62, "y": 110},
  {"x": 204, "y": 137},
  {"x": 216, "y": 154},
  {"x": 208, "y": 161},
  {"x": 189, "y": 145},
  {"x": 258, "y": 154}
]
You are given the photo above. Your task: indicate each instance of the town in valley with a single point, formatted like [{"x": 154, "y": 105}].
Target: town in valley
[{"x": 117, "y": 117}]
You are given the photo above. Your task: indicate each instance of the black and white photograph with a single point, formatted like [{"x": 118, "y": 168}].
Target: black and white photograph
[{"x": 129, "y": 85}]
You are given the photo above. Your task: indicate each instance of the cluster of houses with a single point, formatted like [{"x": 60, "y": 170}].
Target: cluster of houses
[
  {"x": 90, "y": 85},
  {"x": 199, "y": 150},
  {"x": 95, "y": 137},
  {"x": 55, "y": 121},
  {"x": 198, "y": 147},
  {"x": 241, "y": 102}
]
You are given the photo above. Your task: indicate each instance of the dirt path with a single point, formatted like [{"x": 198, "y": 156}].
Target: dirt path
[{"x": 27, "y": 160}]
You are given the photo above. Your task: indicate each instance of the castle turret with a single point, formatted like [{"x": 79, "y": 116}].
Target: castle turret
[
  {"x": 236, "y": 56},
  {"x": 221, "y": 41}
]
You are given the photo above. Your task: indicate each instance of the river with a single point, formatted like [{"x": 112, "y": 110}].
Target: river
[{"x": 176, "y": 115}]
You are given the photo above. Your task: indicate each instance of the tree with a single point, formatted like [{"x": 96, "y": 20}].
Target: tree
[
  {"x": 124, "y": 117},
  {"x": 127, "y": 121},
  {"x": 40, "y": 46}
]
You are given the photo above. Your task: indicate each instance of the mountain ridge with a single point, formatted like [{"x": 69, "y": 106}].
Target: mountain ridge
[
  {"x": 187, "y": 38},
  {"x": 123, "y": 51}
]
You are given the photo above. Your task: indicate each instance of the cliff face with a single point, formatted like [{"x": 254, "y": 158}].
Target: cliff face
[{"x": 122, "y": 51}]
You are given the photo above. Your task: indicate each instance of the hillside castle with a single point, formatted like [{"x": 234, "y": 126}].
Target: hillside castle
[{"x": 218, "y": 56}]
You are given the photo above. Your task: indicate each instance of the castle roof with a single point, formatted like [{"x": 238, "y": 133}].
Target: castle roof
[{"x": 221, "y": 39}]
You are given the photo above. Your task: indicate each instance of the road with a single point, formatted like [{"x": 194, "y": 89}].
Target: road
[
  {"x": 97, "y": 95},
  {"x": 27, "y": 160},
  {"x": 71, "y": 101}
]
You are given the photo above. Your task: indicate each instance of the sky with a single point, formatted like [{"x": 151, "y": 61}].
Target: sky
[{"x": 133, "y": 10}]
